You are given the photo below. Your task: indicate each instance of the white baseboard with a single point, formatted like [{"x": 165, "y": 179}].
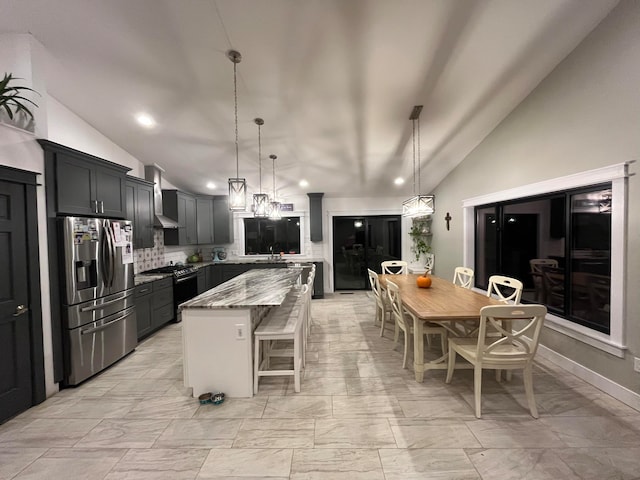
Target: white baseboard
[{"x": 617, "y": 391}]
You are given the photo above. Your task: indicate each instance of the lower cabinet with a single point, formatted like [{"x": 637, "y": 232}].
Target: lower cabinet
[
  {"x": 154, "y": 305},
  {"x": 202, "y": 279}
]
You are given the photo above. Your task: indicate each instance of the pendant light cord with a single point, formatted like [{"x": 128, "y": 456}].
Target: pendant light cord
[
  {"x": 235, "y": 101},
  {"x": 273, "y": 157},
  {"x": 413, "y": 136},
  {"x": 260, "y": 157},
  {"x": 419, "y": 188}
]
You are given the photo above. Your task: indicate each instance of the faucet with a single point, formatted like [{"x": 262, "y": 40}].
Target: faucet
[{"x": 271, "y": 257}]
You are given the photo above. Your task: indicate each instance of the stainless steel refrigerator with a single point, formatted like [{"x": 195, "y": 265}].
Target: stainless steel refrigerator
[{"x": 97, "y": 294}]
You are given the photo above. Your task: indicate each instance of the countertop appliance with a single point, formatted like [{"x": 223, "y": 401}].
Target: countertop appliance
[
  {"x": 219, "y": 254},
  {"x": 97, "y": 294},
  {"x": 185, "y": 283}
]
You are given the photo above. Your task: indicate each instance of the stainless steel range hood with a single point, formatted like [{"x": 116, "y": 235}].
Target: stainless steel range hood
[{"x": 153, "y": 173}]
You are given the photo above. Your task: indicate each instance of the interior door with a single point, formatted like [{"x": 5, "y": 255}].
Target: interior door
[{"x": 15, "y": 341}]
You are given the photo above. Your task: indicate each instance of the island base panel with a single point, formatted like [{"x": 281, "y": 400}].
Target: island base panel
[{"x": 218, "y": 348}]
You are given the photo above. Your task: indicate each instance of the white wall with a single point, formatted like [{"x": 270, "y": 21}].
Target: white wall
[{"x": 584, "y": 115}]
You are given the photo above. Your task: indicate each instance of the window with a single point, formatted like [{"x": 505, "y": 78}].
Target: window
[
  {"x": 575, "y": 184},
  {"x": 563, "y": 260},
  {"x": 265, "y": 236}
]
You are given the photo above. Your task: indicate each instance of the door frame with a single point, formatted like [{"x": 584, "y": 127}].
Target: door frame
[
  {"x": 28, "y": 180},
  {"x": 362, "y": 212}
]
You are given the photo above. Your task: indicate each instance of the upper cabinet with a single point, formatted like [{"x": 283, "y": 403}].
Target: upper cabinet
[
  {"x": 84, "y": 184},
  {"x": 181, "y": 207},
  {"x": 315, "y": 216},
  {"x": 139, "y": 209},
  {"x": 204, "y": 220},
  {"x": 222, "y": 221}
]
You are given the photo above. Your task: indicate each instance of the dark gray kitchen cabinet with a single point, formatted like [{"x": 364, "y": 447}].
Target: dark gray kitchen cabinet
[
  {"x": 181, "y": 207},
  {"x": 315, "y": 216},
  {"x": 318, "y": 281},
  {"x": 213, "y": 276},
  {"x": 154, "y": 305},
  {"x": 85, "y": 184},
  {"x": 202, "y": 280},
  {"x": 163, "y": 311},
  {"x": 222, "y": 221},
  {"x": 204, "y": 220},
  {"x": 144, "y": 299},
  {"x": 139, "y": 209},
  {"x": 230, "y": 271}
]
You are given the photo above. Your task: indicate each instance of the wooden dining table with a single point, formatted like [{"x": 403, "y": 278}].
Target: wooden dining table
[{"x": 443, "y": 303}]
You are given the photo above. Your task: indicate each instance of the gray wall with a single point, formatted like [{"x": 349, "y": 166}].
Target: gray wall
[{"x": 584, "y": 115}]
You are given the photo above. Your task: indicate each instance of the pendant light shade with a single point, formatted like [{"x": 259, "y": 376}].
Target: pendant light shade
[
  {"x": 275, "y": 213},
  {"x": 260, "y": 200},
  {"x": 419, "y": 205},
  {"x": 237, "y": 185}
]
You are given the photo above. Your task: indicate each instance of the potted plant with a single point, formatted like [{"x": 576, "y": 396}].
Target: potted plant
[
  {"x": 420, "y": 246},
  {"x": 14, "y": 105}
]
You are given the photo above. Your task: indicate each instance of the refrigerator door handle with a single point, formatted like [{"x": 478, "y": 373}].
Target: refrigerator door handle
[
  {"x": 87, "y": 331},
  {"x": 111, "y": 252},
  {"x": 104, "y": 304},
  {"x": 104, "y": 261}
]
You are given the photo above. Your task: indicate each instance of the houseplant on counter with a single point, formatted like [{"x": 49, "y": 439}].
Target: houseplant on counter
[{"x": 14, "y": 106}]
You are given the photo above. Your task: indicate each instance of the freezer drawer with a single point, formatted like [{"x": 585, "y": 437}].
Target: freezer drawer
[
  {"x": 95, "y": 346},
  {"x": 93, "y": 310}
]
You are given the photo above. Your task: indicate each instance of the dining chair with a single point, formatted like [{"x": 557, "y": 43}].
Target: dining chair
[
  {"x": 512, "y": 350},
  {"x": 463, "y": 277},
  {"x": 382, "y": 306},
  {"x": 395, "y": 267},
  {"x": 429, "y": 263},
  {"x": 501, "y": 286},
  {"x": 537, "y": 266},
  {"x": 404, "y": 320}
]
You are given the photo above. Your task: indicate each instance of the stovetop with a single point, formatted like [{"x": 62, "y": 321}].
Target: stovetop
[{"x": 178, "y": 271}]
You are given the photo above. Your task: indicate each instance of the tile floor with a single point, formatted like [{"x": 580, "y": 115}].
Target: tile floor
[{"x": 359, "y": 416}]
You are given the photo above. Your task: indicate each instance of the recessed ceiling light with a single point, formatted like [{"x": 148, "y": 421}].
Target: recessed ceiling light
[
  {"x": 399, "y": 181},
  {"x": 145, "y": 120},
  {"x": 303, "y": 183},
  {"x": 211, "y": 185}
]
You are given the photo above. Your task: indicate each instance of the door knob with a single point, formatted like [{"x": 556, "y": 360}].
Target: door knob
[{"x": 20, "y": 309}]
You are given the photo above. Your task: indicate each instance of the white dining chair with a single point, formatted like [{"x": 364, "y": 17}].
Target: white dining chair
[
  {"x": 395, "y": 267},
  {"x": 382, "y": 305},
  {"x": 463, "y": 277},
  {"x": 404, "y": 320},
  {"x": 430, "y": 263},
  {"x": 511, "y": 350},
  {"x": 507, "y": 289}
]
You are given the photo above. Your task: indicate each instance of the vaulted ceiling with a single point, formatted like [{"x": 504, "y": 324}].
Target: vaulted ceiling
[{"x": 334, "y": 80}]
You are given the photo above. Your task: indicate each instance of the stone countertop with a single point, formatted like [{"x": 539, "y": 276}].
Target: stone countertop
[
  {"x": 260, "y": 287},
  {"x": 260, "y": 261},
  {"x": 141, "y": 279}
]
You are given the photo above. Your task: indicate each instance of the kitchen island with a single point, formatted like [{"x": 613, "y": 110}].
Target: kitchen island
[{"x": 218, "y": 325}]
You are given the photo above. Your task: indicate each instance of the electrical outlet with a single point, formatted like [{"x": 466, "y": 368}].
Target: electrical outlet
[
  {"x": 636, "y": 364},
  {"x": 240, "y": 331}
]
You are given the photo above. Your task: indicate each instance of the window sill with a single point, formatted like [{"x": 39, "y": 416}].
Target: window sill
[{"x": 585, "y": 335}]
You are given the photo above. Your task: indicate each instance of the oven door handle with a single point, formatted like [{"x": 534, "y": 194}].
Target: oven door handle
[
  {"x": 110, "y": 302},
  {"x": 87, "y": 331},
  {"x": 184, "y": 279}
]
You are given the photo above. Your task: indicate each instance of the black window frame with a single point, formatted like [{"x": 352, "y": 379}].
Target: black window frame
[
  {"x": 288, "y": 247},
  {"x": 498, "y": 208}
]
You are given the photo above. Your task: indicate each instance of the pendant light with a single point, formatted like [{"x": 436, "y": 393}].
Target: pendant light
[
  {"x": 237, "y": 185},
  {"x": 418, "y": 205},
  {"x": 260, "y": 200},
  {"x": 274, "y": 207}
]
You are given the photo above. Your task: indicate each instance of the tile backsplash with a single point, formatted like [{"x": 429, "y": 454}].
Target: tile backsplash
[{"x": 148, "y": 258}]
